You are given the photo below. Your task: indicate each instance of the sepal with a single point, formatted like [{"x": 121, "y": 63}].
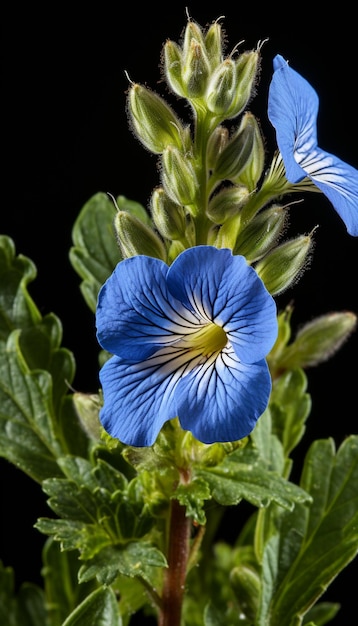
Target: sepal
[
  {"x": 153, "y": 120},
  {"x": 179, "y": 177},
  {"x": 282, "y": 267},
  {"x": 261, "y": 234},
  {"x": 134, "y": 237},
  {"x": 168, "y": 216}
]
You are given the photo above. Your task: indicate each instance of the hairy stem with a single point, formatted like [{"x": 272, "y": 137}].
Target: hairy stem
[{"x": 175, "y": 575}]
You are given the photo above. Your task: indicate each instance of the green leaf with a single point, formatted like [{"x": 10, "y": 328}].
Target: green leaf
[
  {"x": 17, "y": 309},
  {"x": 321, "y": 614},
  {"x": 60, "y": 573},
  {"x": 314, "y": 543},
  {"x": 136, "y": 559},
  {"x": 290, "y": 406},
  {"x": 27, "y": 607},
  {"x": 100, "y": 608},
  {"x": 27, "y": 435},
  {"x": 95, "y": 252},
  {"x": 193, "y": 495},
  {"x": 243, "y": 475}
]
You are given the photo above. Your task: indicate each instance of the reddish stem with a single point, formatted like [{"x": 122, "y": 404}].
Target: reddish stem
[{"x": 175, "y": 574}]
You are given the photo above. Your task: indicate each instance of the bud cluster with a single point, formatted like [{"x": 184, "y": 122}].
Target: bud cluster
[{"x": 214, "y": 188}]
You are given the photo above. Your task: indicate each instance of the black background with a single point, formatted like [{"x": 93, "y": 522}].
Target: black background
[{"x": 65, "y": 136}]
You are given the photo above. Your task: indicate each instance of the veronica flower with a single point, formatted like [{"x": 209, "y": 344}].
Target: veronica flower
[
  {"x": 293, "y": 109},
  {"x": 189, "y": 341}
]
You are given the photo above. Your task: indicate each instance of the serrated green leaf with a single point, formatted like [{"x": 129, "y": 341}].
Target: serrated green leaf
[
  {"x": 27, "y": 435},
  {"x": 100, "y": 608},
  {"x": 243, "y": 475},
  {"x": 136, "y": 559},
  {"x": 193, "y": 495},
  {"x": 95, "y": 252},
  {"x": 60, "y": 573},
  {"x": 17, "y": 309},
  {"x": 290, "y": 406},
  {"x": 315, "y": 543},
  {"x": 41, "y": 348}
]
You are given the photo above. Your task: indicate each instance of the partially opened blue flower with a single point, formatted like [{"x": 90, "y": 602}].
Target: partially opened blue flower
[
  {"x": 189, "y": 340},
  {"x": 293, "y": 109}
]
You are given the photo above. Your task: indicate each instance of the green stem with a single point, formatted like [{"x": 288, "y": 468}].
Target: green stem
[{"x": 175, "y": 574}]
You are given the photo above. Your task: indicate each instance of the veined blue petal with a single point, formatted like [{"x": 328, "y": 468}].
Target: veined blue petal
[
  {"x": 227, "y": 291},
  {"x": 338, "y": 181},
  {"x": 139, "y": 398},
  {"x": 221, "y": 399},
  {"x": 293, "y": 109},
  {"x": 189, "y": 341},
  {"x": 135, "y": 313}
]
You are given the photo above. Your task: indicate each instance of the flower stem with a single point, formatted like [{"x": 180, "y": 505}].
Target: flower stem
[{"x": 175, "y": 575}]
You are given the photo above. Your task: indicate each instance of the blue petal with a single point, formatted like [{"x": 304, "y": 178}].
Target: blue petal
[
  {"x": 139, "y": 398},
  {"x": 338, "y": 181},
  {"x": 226, "y": 290},
  {"x": 222, "y": 400},
  {"x": 135, "y": 313},
  {"x": 292, "y": 109},
  {"x": 216, "y": 399}
]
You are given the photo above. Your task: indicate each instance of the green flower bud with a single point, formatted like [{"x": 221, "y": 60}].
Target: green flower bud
[
  {"x": 246, "y": 70},
  {"x": 234, "y": 157},
  {"x": 216, "y": 143},
  {"x": 214, "y": 44},
  {"x": 87, "y": 407},
  {"x": 195, "y": 70},
  {"x": 318, "y": 340},
  {"x": 153, "y": 120},
  {"x": 261, "y": 234},
  {"x": 222, "y": 90},
  {"x": 168, "y": 216},
  {"x": 247, "y": 586},
  {"x": 227, "y": 203},
  {"x": 179, "y": 177},
  {"x": 172, "y": 56},
  {"x": 254, "y": 168},
  {"x": 134, "y": 237},
  {"x": 283, "y": 266}
]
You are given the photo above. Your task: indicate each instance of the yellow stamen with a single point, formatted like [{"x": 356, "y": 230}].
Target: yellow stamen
[{"x": 209, "y": 339}]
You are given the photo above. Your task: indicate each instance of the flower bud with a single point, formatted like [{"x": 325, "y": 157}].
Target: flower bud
[
  {"x": 254, "y": 168},
  {"x": 216, "y": 143},
  {"x": 221, "y": 92},
  {"x": 172, "y": 56},
  {"x": 283, "y": 266},
  {"x": 318, "y": 340},
  {"x": 195, "y": 70},
  {"x": 214, "y": 45},
  {"x": 153, "y": 120},
  {"x": 227, "y": 203},
  {"x": 134, "y": 237},
  {"x": 179, "y": 177},
  {"x": 261, "y": 234},
  {"x": 234, "y": 157},
  {"x": 168, "y": 216},
  {"x": 87, "y": 408},
  {"x": 247, "y": 586},
  {"x": 246, "y": 69}
]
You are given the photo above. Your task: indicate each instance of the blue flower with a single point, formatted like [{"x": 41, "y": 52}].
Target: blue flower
[
  {"x": 189, "y": 340},
  {"x": 293, "y": 109}
]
